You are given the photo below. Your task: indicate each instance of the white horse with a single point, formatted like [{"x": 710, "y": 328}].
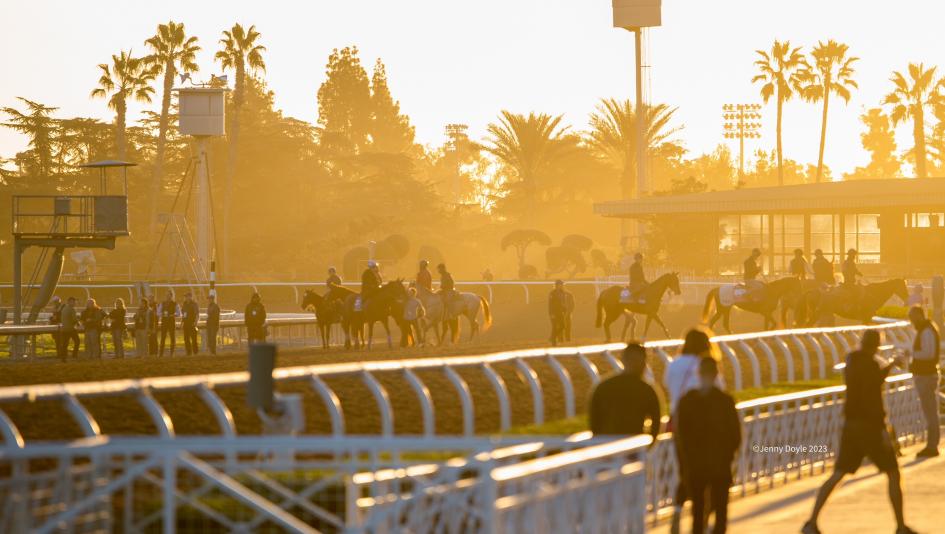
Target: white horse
[{"x": 463, "y": 304}]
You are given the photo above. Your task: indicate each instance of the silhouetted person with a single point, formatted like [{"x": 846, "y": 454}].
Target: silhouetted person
[
  {"x": 751, "y": 269},
  {"x": 168, "y": 311},
  {"x": 557, "y": 311},
  {"x": 622, "y": 403},
  {"x": 864, "y": 430},
  {"x": 447, "y": 289},
  {"x": 708, "y": 436},
  {"x": 371, "y": 281},
  {"x": 637, "y": 276},
  {"x": 69, "y": 321},
  {"x": 92, "y": 319},
  {"x": 799, "y": 267},
  {"x": 850, "y": 270},
  {"x": 213, "y": 323},
  {"x": 333, "y": 278},
  {"x": 823, "y": 269},
  {"x": 425, "y": 277},
  {"x": 55, "y": 318},
  {"x": 190, "y": 315},
  {"x": 925, "y": 376},
  {"x": 145, "y": 321},
  {"x": 413, "y": 315},
  {"x": 681, "y": 377},
  {"x": 255, "y": 320},
  {"x": 116, "y": 323}
]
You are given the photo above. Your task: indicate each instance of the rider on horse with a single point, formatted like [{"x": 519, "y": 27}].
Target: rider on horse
[
  {"x": 424, "y": 277},
  {"x": 447, "y": 288},
  {"x": 754, "y": 288},
  {"x": 637, "y": 277},
  {"x": 799, "y": 267},
  {"x": 371, "y": 281},
  {"x": 823, "y": 269},
  {"x": 333, "y": 278},
  {"x": 851, "y": 273}
]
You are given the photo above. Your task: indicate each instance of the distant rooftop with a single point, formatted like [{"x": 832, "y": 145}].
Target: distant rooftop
[{"x": 825, "y": 197}]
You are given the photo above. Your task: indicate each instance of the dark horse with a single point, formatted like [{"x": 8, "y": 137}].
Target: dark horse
[
  {"x": 384, "y": 304},
  {"x": 785, "y": 289},
  {"x": 859, "y": 304},
  {"x": 328, "y": 311},
  {"x": 652, "y": 296}
]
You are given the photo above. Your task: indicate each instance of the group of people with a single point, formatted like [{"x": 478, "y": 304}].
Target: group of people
[
  {"x": 152, "y": 325},
  {"x": 706, "y": 426}
]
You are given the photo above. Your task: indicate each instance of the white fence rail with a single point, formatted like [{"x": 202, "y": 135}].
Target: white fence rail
[{"x": 745, "y": 356}]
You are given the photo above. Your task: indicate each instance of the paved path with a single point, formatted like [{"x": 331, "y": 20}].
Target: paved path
[{"x": 859, "y": 505}]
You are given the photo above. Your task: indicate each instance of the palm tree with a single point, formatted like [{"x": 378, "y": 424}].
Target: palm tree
[
  {"x": 909, "y": 99},
  {"x": 780, "y": 73},
  {"x": 37, "y": 124},
  {"x": 832, "y": 72},
  {"x": 171, "y": 52},
  {"x": 613, "y": 135},
  {"x": 240, "y": 52},
  {"x": 529, "y": 146},
  {"x": 127, "y": 78}
]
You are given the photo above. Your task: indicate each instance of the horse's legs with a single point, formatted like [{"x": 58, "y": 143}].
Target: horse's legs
[
  {"x": 386, "y": 324},
  {"x": 663, "y": 326},
  {"x": 726, "y": 320},
  {"x": 626, "y": 325},
  {"x": 473, "y": 325},
  {"x": 646, "y": 325},
  {"x": 607, "y": 322}
]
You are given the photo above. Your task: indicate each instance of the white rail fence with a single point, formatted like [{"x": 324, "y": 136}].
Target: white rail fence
[{"x": 746, "y": 356}]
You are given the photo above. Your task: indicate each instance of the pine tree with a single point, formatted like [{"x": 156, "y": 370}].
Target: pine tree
[
  {"x": 344, "y": 103},
  {"x": 390, "y": 131}
]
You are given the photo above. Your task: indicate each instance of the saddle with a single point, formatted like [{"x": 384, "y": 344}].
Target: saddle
[
  {"x": 629, "y": 297},
  {"x": 731, "y": 294},
  {"x": 358, "y": 304}
]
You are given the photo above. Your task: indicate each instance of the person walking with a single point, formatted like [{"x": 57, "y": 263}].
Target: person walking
[
  {"x": 213, "y": 323},
  {"x": 864, "y": 433},
  {"x": 254, "y": 316},
  {"x": 92, "y": 319},
  {"x": 823, "y": 269},
  {"x": 681, "y": 377},
  {"x": 168, "y": 311},
  {"x": 55, "y": 319},
  {"x": 708, "y": 436},
  {"x": 624, "y": 402},
  {"x": 190, "y": 316},
  {"x": 557, "y": 311},
  {"x": 424, "y": 277},
  {"x": 925, "y": 376},
  {"x": 414, "y": 313},
  {"x": 145, "y": 322},
  {"x": 69, "y": 323},
  {"x": 116, "y": 324},
  {"x": 799, "y": 267}
]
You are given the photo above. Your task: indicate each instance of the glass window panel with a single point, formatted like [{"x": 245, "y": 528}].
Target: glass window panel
[
  {"x": 793, "y": 241},
  {"x": 794, "y": 224},
  {"x": 869, "y": 243},
  {"x": 849, "y": 221},
  {"x": 868, "y": 224},
  {"x": 822, "y": 241},
  {"x": 821, "y": 223},
  {"x": 751, "y": 224},
  {"x": 850, "y": 242}
]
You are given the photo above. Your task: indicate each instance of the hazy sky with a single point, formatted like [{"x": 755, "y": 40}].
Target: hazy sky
[{"x": 452, "y": 61}]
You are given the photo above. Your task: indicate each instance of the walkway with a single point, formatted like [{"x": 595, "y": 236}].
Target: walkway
[{"x": 860, "y": 504}]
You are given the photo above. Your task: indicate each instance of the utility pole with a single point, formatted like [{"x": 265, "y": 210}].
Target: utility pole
[{"x": 739, "y": 125}]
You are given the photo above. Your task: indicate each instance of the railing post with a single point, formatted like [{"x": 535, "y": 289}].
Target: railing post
[{"x": 169, "y": 485}]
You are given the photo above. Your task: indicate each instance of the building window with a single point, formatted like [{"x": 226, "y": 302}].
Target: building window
[
  {"x": 862, "y": 233},
  {"x": 824, "y": 230},
  {"x": 925, "y": 220}
]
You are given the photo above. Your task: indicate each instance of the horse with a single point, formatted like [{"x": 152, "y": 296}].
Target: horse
[
  {"x": 328, "y": 311},
  {"x": 381, "y": 306},
  {"x": 785, "y": 289},
  {"x": 859, "y": 304},
  {"x": 652, "y": 296},
  {"x": 463, "y": 304}
]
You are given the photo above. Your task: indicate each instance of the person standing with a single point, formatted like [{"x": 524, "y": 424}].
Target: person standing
[
  {"x": 413, "y": 315},
  {"x": 637, "y": 276},
  {"x": 864, "y": 433},
  {"x": 557, "y": 311},
  {"x": 254, "y": 316},
  {"x": 681, "y": 377},
  {"x": 116, "y": 323},
  {"x": 708, "y": 436},
  {"x": 69, "y": 323},
  {"x": 213, "y": 323},
  {"x": 799, "y": 267},
  {"x": 190, "y": 315},
  {"x": 925, "y": 376},
  {"x": 92, "y": 319},
  {"x": 622, "y": 403},
  {"x": 168, "y": 311},
  {"x": 145, "y": 321},
  {"x": 823, "y": 269},
  {"x": 424, "y": 277},
  {"x": 55, "y": 318}
]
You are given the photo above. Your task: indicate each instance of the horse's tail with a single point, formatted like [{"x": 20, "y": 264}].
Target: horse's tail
[
  {"x": 486, "y": 313},
  {"x": 600, "y": 311},
  {"x": 710, "y": 300}
]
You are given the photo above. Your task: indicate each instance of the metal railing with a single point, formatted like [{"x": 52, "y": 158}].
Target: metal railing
[{"x": 744, "y": 353}]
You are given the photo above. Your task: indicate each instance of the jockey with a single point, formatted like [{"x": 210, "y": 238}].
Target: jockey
[
  {"x": 753, "y": 286},
  {"x": 424, "y": 278},
  {"x": 371, "y": 281},
  {"x": 799, "y": 267},
  {"x": 823, "y": 269},
  {"x": 447, "y": 287},
  {"x": 333, "y": 278},
  {"x": 850, "y": 270},
  {"x": 637, "y": 276}
]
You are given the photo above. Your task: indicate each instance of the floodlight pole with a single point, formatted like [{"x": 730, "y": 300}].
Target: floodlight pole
[
  {"x": 203, "y": 206},
  {"x": 641, "y": 130}
]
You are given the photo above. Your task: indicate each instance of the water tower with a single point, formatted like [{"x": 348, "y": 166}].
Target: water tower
[{"x": 202, "y": 115}]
